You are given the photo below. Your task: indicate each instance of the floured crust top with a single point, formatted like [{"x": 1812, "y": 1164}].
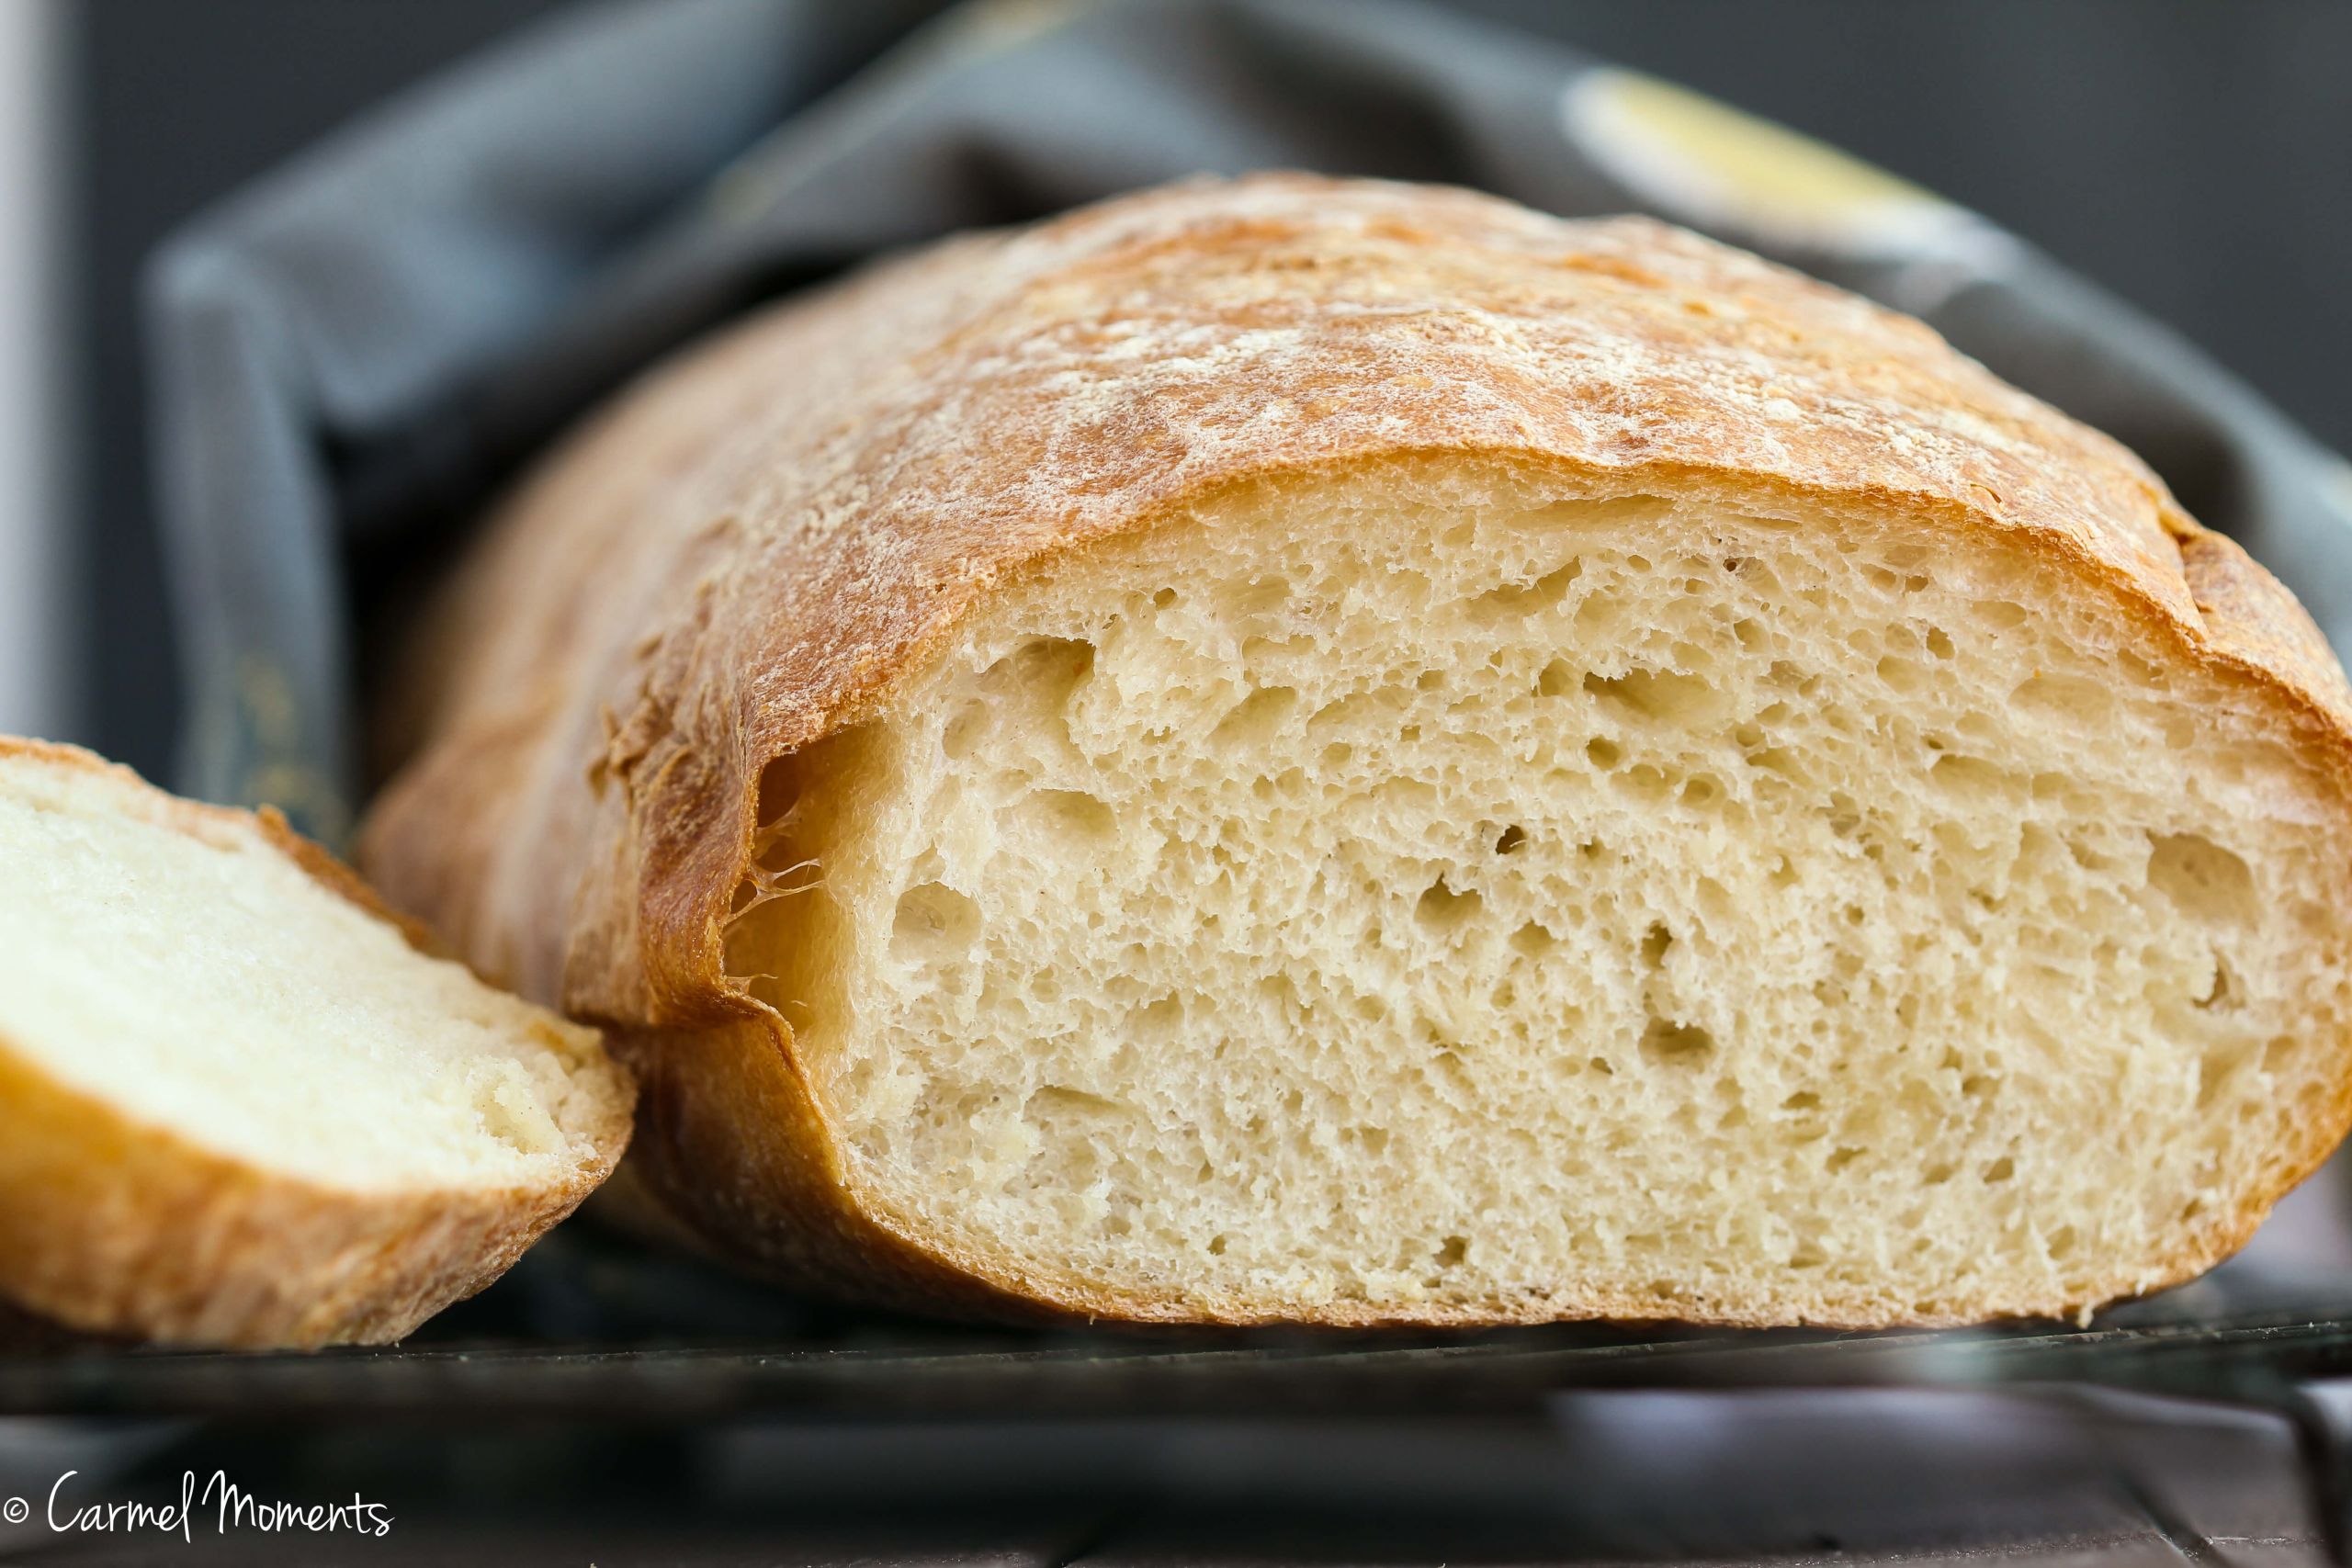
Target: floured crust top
[{"x": 748, "y": 550}]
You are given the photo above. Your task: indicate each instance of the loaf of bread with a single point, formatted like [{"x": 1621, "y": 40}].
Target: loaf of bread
[
  {"x": 1313, "y": 751},
  {"x": 237, "y": 1106}
]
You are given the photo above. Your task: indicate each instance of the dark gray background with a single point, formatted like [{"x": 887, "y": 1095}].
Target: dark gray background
[{"x": 2195, "y": 158}]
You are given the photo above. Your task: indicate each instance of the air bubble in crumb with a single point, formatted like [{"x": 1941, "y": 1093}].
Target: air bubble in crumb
[{"x": 512, "y": 1115}]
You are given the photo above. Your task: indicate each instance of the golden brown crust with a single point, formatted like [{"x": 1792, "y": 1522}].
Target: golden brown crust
[
  {"x": 757, "y": 545},
  {"x": 112, "y": 1226},
  {"x": 118, "y": 1228}
]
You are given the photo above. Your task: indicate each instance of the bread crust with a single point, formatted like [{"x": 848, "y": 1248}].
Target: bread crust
[
  {"x": 769, "y": 536},
  {"x": 113, "y": 1226}
]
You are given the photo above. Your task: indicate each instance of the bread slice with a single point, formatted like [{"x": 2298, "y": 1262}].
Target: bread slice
[
  {"x": 238, "y": 1106},
  {"x": 1315, "y": 750}
]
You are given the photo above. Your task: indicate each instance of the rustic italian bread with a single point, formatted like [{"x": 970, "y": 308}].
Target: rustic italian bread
[
  {"x": 237, "y": 1107},
  {"x": 1296, "y": 749}
]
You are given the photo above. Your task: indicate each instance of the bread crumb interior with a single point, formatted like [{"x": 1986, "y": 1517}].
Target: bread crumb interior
[
  {"x": 1509, "y": 898},
  {"x": 204, "y": 984}
]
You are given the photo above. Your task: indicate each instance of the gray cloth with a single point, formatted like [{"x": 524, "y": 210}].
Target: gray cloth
[{"x": 352, "y": 355}]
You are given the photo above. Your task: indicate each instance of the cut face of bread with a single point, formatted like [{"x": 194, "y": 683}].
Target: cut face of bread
[
  {"x": 236, "y": 1105},
  {"x": 1457, "y": 898}
]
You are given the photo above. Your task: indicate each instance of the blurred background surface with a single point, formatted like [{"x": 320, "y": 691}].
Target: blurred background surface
[{"x": 2191, "y": 157}]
